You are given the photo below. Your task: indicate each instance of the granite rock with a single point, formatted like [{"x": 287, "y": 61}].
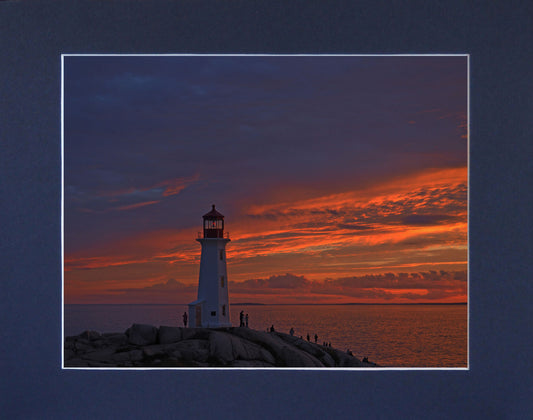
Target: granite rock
[
  {"x": 169, "y": 335},
  {"x": 237, "y": 347},
  {"x": 142, "y": 334}
]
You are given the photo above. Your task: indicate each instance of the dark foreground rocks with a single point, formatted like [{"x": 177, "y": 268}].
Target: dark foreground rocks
[{"x": 148, "y": 346}]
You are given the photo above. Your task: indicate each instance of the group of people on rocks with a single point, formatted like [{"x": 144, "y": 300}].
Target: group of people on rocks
[
  {"x": 309, "y": 338},
  {"x": 244, "y": 323},
  {"x": 243, "y": 319},
  {"x": 324, "y": 343}
]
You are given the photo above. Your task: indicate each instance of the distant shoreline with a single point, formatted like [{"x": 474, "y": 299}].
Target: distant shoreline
[{"x": 291, "y": 304}]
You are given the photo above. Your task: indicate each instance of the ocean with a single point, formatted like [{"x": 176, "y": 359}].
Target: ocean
[{"x": 422, "y": 336}]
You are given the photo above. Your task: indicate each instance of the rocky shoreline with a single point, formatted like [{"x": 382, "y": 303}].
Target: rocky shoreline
[{"x": 144, "y": 345}]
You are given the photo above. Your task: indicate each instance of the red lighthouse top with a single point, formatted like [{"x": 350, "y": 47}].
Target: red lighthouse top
[{"x": 213, "y": 224}]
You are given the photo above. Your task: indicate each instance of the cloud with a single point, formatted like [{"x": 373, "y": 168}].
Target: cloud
[
  {"x": 430, "y": 219},
  {"x": 399, "y": 287},
  {"x": 417, "y": 222},
  {"x": 171, "y": 285},
  {"x": 135, "y": 206},
  {"x": 432, "y": 204},
  {"x": 130, "y": 198},
  {"x": 170, "y": 291},
  {"x": 286, "y": 281}
]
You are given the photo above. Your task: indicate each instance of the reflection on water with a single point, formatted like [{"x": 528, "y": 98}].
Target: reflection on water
[{"x": 395, "y": 335}]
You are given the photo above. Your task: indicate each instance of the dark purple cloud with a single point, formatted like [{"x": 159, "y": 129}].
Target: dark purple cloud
[
  {"x": 438, "y": 284},
  {"x": 285, "y": 281}
]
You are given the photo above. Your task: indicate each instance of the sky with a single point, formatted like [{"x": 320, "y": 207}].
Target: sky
[{"x": 342, "y": 179}]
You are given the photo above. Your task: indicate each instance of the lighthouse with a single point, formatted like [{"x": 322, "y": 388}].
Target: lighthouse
[{"x": 211, "y": 308}]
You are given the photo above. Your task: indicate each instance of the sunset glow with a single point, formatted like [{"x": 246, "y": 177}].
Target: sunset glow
[{"x": 342, "y": 179}]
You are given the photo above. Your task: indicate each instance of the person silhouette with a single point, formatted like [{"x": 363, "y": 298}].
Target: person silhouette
[
  {"x": 246, "y": 320},
  {"x": 316, "y": 338},
  {"x": 308, "y": 337},
  {"x": 241, "y": 318},
  {"x": 185, "y": 319},
  {"x": 291, "y": 332}
]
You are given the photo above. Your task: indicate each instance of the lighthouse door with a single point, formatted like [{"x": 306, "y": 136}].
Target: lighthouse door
[{"x": 198, "y": 315}]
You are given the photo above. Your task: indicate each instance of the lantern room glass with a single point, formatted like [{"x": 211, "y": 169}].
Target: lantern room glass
[{"x": 213, "y": 228}]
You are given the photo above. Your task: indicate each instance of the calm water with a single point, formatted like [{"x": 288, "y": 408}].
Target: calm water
[{"x": 394, "y": 336}]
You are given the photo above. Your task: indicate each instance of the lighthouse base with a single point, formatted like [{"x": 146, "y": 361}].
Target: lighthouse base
[{"x": 199, "y": 316}]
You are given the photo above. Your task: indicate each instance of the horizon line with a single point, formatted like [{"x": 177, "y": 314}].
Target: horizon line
[{"x": 286, "y": 304}]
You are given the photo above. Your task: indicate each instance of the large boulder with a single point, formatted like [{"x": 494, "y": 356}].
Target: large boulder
[
  {"x": 135, "y": 355},
  {"x": 157, "y": 350},
  {"x": 294, "y": 357},
  {"x": 115, "y": 339},
  {"x": 82, "y": 346},
  {"x": 221, "y": 346},
  {"x": 284, "y": 353},
  {"x": 168, "y": 335},
  {"x": 226, "y": 348},
  {"x": 103, "y": 355},
  {"x": 344, "y": 359},
  {"x": 142, "y": 334},
  {"x": 313, "y": 349},
  {"x": 188, "y": 333},
  {"x": 192, "y": 350},
  {"x": 270, "y": 341},
  {"x": 90, "y": 335},
  {"x": 246, "y": 350}
]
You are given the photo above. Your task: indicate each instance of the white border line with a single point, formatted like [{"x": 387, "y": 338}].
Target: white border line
[
  {"x": 62, "y": 212},
  {"x": 320, "y": 369},
  {"x": 261, "y": 55},
  {"x": 325, "y": 369},
  {"x": 468, "y": 211}
]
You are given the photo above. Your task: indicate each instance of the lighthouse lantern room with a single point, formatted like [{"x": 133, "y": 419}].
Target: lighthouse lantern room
[{"x": 211, "y": 308}]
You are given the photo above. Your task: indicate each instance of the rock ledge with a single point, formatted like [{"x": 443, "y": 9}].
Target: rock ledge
[{"x": 147, "y": 346}]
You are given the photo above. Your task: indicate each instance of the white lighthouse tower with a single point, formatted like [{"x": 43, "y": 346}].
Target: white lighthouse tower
[{"x": 211, "y": 309}]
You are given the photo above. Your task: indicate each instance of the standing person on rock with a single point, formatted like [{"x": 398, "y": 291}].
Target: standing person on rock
[
  {"x": 246, "y": 320},
  {"x": 316, "y": 338},
  {"x": 241, "y": 318},
  {"x": 185, "y": 319}
]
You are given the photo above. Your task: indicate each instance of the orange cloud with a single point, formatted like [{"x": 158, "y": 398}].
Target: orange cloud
[
  {"x": 425, "y": 205},
  {"x": 175, "y": 186},
  {"x": 131, "y": 198},
  {"x": 136, "y": 205}
]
